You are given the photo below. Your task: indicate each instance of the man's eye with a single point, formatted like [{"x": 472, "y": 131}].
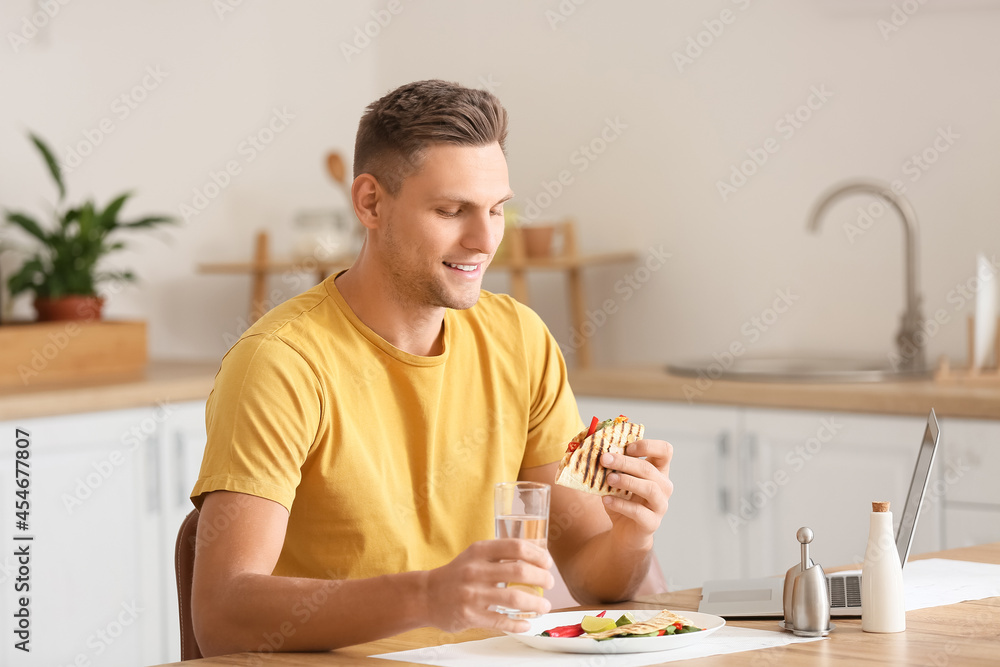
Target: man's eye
[
  {"x": 447, "y": 214},
  {"x": 498, "y": 211}
]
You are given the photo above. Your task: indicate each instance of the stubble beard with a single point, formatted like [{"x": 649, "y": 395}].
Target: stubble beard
[{"x": 411, "y": 285}]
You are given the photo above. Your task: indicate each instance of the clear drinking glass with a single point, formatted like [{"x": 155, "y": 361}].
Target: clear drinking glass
[{"x": 521, "y": 511}]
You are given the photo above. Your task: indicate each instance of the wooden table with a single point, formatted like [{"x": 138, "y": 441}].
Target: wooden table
[{"x": 967, "y": 633}]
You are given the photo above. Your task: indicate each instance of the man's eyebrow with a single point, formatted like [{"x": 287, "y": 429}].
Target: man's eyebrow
[{"x": 461, "y": 201}]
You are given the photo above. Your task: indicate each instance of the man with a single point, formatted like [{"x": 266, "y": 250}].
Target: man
[{"x": 356, "y": 431}]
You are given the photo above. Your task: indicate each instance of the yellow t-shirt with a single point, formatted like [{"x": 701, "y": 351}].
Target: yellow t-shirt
[{"x": 385, "y": 460}]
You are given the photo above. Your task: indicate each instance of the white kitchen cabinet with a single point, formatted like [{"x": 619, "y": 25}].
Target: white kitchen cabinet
[
  {"x": 94, "y": 521},
  {"x": 184, "y": 443},
  {"x": 823, "y": 470},
  {"x": 105, "y": 508},
  {"x": 745, "y": 480},
  {"x": 967, "y": 489}
]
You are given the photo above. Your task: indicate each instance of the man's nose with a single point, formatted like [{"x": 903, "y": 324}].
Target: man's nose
[{"x": 483, "y": 232}]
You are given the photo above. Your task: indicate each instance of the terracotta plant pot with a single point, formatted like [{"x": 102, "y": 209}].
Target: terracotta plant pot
[
  {"x": 538, "y": 241},
  {"x": 73, "y": 307}
]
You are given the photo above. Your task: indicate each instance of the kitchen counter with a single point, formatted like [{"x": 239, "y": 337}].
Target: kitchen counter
[
  {"x": 915, "y": 397},
  {"x": 173, "y": 381},
  {"x": 188, "y": 381}
]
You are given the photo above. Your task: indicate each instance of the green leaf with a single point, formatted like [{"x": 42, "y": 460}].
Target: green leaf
[
  {"x": 27, "y": 224},
  {"x": 151, "y": 221},
  {"x": 108, "y": 219},
  {"x": 27, "y": 278},
  {"x": 52, "y": 164}
]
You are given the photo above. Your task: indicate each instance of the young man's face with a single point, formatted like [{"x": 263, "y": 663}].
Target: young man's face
[{"x": 443, "y": 227}]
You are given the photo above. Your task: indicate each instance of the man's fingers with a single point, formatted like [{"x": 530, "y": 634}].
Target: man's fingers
[
  {"x": 514, "y": 549},
  {"x": 515, "y": 598},
  {"x": 647, "y": 490},
  {"x": 657, "y": 452},
  {"x": 523, "y": 573},
  {"x": 638, "y": 512},
  {"x": 642, "y": 468}
]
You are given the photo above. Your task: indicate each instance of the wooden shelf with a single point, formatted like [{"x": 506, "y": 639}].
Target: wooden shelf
[
  {"x": 563, "y": 263},
  {"x": 275, "y": 266},
  {"x": 514, "y": 259}
]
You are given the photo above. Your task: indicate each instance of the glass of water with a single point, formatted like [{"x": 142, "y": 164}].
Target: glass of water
[{"x": 521, "y": 511}]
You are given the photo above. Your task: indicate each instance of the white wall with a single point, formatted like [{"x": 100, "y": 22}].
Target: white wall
[
  {"x": 225, "y": 74},
  {"x": 654, "y": 185}
]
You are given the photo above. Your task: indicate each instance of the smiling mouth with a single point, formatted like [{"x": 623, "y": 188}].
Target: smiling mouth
[{"x": 463, "y": 267}]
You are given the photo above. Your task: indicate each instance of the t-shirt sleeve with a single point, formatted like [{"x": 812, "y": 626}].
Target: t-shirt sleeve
[
  {"x": 554, "y": 417},
  {"x": 262, "y": 419}
]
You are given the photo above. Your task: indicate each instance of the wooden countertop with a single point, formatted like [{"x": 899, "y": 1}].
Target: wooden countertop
[
  {"x": 915, "y": 397},
  {"x": 958, "y": 634},
  {"x": 192, "y": 380},
  {"x": 161, "y": 381}
]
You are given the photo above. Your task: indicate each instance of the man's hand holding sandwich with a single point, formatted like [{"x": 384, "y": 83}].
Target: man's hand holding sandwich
[{"x": 611, "y": 491}]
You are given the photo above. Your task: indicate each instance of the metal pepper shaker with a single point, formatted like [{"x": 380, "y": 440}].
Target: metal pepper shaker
[{"x": 806, "y": 595}]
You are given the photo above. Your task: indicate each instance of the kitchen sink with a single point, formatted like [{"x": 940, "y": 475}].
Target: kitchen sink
[{"x": 797, "y": 369}]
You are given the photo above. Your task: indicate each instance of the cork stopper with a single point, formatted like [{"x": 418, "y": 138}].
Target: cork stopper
[{"x": 882, "y": 506}]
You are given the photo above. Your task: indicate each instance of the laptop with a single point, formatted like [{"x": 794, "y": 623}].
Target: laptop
[{"x": 762, "y": 598}]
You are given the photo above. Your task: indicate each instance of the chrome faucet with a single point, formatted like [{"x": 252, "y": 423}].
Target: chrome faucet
[{"x": 908, "y": 345}]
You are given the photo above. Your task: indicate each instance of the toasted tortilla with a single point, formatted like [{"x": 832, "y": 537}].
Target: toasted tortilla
[
  {"x": 662, "y": 620},
  {"x": 581, "y": 469}
]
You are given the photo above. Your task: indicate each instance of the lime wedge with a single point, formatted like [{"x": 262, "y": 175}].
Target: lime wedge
[
  {"x": 625, "y": 619},
  {"x": 593, "y": 624}
]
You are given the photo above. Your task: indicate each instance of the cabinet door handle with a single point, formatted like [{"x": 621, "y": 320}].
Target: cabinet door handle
[
  {"x": 748, "y": 465},
  {"x": 721, "y": 466},
  {"x": 153, "y": 472},
  {"x": 180, "y": 457}
]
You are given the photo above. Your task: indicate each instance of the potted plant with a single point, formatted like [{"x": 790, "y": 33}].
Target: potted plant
[{"x": 63, "y": 274}]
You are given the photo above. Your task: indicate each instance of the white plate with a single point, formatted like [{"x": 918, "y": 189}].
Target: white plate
[{"x": 584, "y": 644}]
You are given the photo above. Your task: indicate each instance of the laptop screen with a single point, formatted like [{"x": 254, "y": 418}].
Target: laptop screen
[{"x": 918, "y": 485}]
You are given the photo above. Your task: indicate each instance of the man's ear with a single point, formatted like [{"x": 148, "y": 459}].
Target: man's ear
[{"x": 368, "y": 197}]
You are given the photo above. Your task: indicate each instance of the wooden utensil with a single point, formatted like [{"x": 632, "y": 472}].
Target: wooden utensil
[{"x": 338, "y": 172}]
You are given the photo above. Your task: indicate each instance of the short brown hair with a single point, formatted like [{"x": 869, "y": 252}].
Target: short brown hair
[{"x": 396, "y": 130}]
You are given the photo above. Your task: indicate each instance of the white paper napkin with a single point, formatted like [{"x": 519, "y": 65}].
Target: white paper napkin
[
  {"x": 937, "y": 581},
  {"x": 508, "y": 652}
]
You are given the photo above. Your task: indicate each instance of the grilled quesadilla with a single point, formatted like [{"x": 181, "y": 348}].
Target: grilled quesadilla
[
  {"x": 581, "y": 467},
  {"x": 652, "y": 627}
]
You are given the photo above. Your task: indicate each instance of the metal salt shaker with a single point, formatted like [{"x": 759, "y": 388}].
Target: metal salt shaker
[{"x": 806, "y": 597}]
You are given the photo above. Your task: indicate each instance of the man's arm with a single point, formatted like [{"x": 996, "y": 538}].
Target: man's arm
[
  {"x": 238, "y": 605},
  {"x": 603, "y": 545}
]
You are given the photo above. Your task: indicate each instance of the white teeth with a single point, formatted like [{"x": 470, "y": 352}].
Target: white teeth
[{"x": 463, "y": 267}]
